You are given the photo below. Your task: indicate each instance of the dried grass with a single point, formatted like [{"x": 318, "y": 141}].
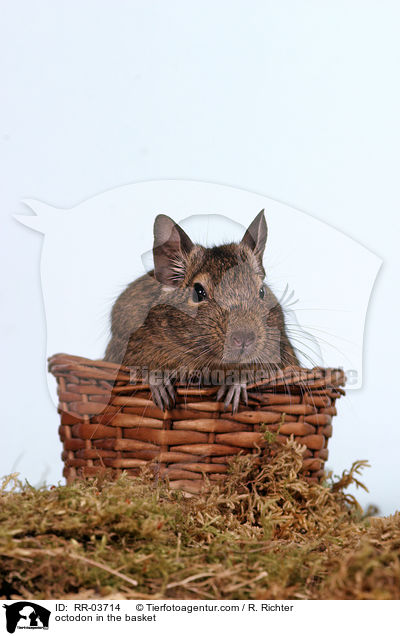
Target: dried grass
[{"x": 265, "y": 534}]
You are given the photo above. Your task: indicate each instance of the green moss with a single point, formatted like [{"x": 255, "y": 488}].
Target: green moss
[{"x": 265, "y": 533}]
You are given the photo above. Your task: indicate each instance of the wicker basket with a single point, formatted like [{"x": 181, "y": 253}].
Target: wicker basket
[{"x": 108, "y": 422}]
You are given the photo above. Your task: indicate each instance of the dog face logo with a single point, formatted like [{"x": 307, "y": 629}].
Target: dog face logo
[{"x": 26, "y": 615}]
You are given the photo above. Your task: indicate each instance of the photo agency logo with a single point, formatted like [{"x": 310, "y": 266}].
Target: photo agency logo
[
  {"x": 26, "y": 615},
  {"x": 111, "y": 236}
]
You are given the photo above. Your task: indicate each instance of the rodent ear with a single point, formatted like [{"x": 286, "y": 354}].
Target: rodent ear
[
  {"x": 171, "y": 247},
  {"x": 256, "y": 235}
]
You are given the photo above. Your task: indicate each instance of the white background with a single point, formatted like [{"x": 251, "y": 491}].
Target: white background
[{"x": 296, "y": 100}]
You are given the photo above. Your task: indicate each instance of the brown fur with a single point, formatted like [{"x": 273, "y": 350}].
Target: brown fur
[{"x": 155, "y": 322}]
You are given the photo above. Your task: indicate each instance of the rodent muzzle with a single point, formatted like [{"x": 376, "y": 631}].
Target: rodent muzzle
[
  {"x": 241, "y": 339},
  {"x": 240, "y": 345}
]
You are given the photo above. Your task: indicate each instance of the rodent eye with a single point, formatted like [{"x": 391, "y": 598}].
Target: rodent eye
[
  {"x": 262, "y": 292},
  {"x": 199, "y": 293}
]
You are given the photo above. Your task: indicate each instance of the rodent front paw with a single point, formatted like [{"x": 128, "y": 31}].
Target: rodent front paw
[
  {"x": 163, "y": 394},
  {"x": 234, "y": 392}
]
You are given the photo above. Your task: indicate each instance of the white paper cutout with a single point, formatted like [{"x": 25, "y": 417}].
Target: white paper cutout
[{"x": 92, "y": 251}]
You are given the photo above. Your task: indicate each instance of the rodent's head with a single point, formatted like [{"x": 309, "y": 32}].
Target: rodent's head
[{"x": 214, "y": 304}]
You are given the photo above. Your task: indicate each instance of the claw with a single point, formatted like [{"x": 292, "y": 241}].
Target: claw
[
  {"x": 221, "y": 392},
  {"x": 163, "y": 394},
  {"x": 243, "y": 391},
  {"x": 234, "y": 393},
  {"x": 155, "y": 394},
  {"x": 171, "y": 390},
  {"x": 228, "y": 398},
  {"x": 235, "y": 401}
]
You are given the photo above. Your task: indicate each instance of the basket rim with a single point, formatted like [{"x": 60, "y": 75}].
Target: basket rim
[{"x": 63, "y": 364}]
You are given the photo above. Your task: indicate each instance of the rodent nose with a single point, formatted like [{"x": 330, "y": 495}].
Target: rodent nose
[{"x": 242, "y": 338}]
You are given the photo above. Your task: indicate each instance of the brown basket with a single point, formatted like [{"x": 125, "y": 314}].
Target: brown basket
[{"x": 108, "y": 422}]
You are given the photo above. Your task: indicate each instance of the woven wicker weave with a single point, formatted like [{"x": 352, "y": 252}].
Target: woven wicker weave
[{"x": 107, "y": 422}]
